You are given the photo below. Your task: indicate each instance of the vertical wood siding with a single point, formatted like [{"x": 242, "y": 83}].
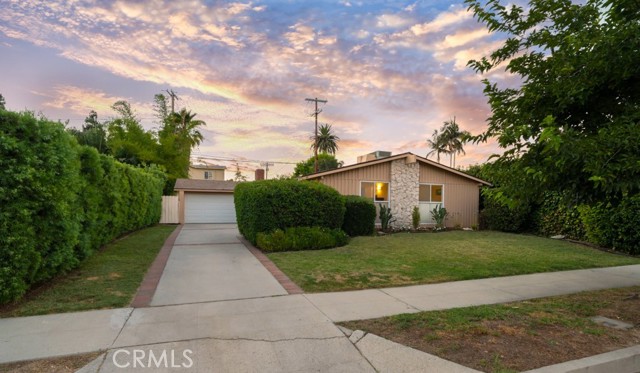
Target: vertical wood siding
[{"x": 348, "y": 182}]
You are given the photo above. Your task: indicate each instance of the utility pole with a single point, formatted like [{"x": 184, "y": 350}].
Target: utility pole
[
  {"x": 315, "y": 114},
  {"x": 266, "y": 168},
  {"x": 174, "y": 97}
]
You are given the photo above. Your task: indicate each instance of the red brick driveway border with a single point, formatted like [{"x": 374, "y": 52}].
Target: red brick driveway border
[
  {"x": 283, "y": 279},
  {"x": 150, "y": 282}
]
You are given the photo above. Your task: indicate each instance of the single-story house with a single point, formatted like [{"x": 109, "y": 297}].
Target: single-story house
[
  {"x": 205, "y": 201},
  {"x": 206, "y": 172},
  {"x": 406, "y": 180}
]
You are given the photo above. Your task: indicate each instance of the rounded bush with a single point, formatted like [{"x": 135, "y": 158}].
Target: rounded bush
[
  {"x": 359, "y": 216},
  {"x": 267, "y": 205}
]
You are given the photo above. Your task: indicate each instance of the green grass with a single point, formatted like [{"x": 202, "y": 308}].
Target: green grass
[
  {"x": 107, "y": 279},
  {"x": 421, "y": 258}
]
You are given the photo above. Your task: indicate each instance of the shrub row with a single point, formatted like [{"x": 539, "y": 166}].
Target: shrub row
[
  {"x": 267, "y": 205},
  {"x": 301, "y": 238},
  {"x": 61, "y": 201},
  {"x": 611, "y": 225}
]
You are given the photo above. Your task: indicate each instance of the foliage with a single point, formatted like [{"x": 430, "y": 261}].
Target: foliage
[
  {"x": 415, "y": 217},
  {"x": 386, "y": 218},
  {"x": 61, "y": 201},
  {"x": 326, "y": 162},
  {"x": 128, "y": 141},
  {"x": 572, "y": 125},
  {"x": 93, "y": 133},
  {"x": 503, "y": 217},
  {"x": 327, "y": 140},
  {"x": 596, "y": 220},
  {"x": 359, "y": 216},
  {"x": 266, "y": 205},
  {"x": 302, "y": 238},
  {"x": 556, "y": 216},
  {"x": 625, "y": 223},
  {"x": 438, "y": 214},
  {"x": 238, "y": 176},
  {"x": 449, "y": 140},
  {"x": 3, "y": 103}
]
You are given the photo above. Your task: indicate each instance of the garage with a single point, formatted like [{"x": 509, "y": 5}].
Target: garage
[{"x": 206, "y": 201}]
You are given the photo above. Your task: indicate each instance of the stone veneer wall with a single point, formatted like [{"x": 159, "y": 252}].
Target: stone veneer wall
[{"x": 405, "y": 180}]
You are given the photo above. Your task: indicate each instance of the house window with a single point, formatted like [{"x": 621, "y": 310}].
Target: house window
[
  {"x": 377, "y": 191},
  {"x": 208, "y": 175},
  {"x": 430, "y": 196}
]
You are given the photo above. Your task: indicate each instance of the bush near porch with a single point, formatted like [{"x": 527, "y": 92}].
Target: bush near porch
[
  {"x": 359, "y": 216},
  {"x": 61, "y": 201},
  {"x": 267, "y": 205}
]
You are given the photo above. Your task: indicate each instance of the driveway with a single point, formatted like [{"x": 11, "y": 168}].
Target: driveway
[{"x": 209, "y": 263}]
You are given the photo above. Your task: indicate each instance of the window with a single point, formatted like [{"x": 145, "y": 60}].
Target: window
[
  {"x": 377, "y": 191},
  {"x": 208, "y": 175},
  {"x": 430, "y": 196}
]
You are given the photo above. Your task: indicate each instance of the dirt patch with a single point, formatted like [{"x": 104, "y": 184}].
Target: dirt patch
[
  {"x": 518, "y": 336},
  {"x": 66, "y": 364}
]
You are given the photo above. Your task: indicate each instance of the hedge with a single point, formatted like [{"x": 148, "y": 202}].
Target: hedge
[
  {"x": 267, "y": 205},
  {"x": 301, "y": 238},
  {"x": 61, "y": 201},
  {"x": 359, "y": 216}
]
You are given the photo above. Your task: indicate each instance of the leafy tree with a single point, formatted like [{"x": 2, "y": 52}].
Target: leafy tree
[
  {"x": 327, "y": 140},
  {"x": 326, "y": 162},
  {"x": 2, "y": 103},
  {"x": 573, "y": 124},
  {"x": 128, "y": 141},
  {"x": 93, "y": 133},
  {"x": 238, "y": 176}
]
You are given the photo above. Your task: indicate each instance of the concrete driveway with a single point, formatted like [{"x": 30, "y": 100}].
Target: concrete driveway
[{"x": 209, "y": 263}]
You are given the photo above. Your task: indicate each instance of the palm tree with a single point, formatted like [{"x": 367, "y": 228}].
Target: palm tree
[
  {"x": 185, "y": 127},
  {"x": 327, "y": 141},
  {"x": 453, "y": 139},
  {"x": 437, "y": 144}
]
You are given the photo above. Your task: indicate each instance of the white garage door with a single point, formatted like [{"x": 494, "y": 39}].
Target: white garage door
[{"x": 209, "y": 208}]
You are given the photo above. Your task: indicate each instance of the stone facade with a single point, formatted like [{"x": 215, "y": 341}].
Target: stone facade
[{"x": 405, "y": 180}]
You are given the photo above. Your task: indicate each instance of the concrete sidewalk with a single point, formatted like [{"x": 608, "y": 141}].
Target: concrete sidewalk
[{"x": 368, "y": 304}]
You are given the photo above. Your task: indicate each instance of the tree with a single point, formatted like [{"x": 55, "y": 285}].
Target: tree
[
  {"x": 573, "y": 123},
  {"x": 437, "y": 145},
  {"x": 326, "y": 162},
  {"x": 93, "y": 133},
  {"x": 327, "y": 140},
  {"x": 453, "y": 140},
  {"x": 128, "y": 141},
  {"x": 238, "y": 175},
  {"x": 2, "y": 103}
]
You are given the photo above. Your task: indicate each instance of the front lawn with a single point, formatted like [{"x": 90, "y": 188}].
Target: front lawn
[
  {"x": 518, "y": 336},
  {"x": 422, "y": 258},
  {"x": 107, "y": 279}
]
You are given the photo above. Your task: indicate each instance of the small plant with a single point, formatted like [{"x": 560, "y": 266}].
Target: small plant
[
  {"x": 386, "y": 218},
  {"x": 415, "y": 217},
  {"x": 474, "y": 227},
  {"x": 439, "y": 213}
]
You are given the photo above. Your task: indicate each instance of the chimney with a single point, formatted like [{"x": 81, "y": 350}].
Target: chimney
[{"x": 259, "y": 174}]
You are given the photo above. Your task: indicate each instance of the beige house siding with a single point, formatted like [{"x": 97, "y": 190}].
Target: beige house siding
[
  {"x": 348, "y": 182},
  {"x": 461, "y": 195},
  {"x": 198, "y": 174}
]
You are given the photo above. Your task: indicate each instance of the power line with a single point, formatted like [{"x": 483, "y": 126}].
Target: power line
[
  {"x": 174, "y": 97},
  {"x": 315, "y": 114}
]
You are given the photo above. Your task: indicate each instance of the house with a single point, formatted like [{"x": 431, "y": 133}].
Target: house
[
  {"x": 206, "y": 172},
  {"x": 406, "y": 180},
  {"x": 205, "y": 201}
]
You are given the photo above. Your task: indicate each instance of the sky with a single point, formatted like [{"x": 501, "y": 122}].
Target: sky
[{"x": 391, "y": 71}]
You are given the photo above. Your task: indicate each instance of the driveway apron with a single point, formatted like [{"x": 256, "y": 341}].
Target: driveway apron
[{"x": 209, "y": 263}]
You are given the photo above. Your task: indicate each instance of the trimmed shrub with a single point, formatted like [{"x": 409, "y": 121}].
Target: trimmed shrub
[
  {"x": 61, "y": 201},
  {"x": 267, "y": 205},
  {"x": 359, "y": 216},
  {"x": 626, "y": 225},
  {"x": 554, "y": 217},
  {"x": 301, "y": 238},
  {"x": 499, "y": 217}
]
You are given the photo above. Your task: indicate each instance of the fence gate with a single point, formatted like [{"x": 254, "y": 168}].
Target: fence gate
[{"x": 169, "y": 210}]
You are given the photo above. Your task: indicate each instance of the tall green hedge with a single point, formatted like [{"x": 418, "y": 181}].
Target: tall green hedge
[
  {"x": 359, "y": 217},
  {"x": 264, "y": 206},
  {"x": 60, "y": 201}
]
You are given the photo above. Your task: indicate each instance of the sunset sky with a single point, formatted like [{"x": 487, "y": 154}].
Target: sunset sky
[{"x": 392, "y": 71}]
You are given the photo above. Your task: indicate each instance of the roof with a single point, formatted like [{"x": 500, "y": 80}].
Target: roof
[
  {"x": 208, "y": 167},
  {"x": 393, "y": 158},
  {"x": 205, "y": 185}
]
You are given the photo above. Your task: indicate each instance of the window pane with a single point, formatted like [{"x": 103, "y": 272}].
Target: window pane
[
  {"x": 366, "y": 190},
  {"x": 436, "y": 193},
  {"x": 382, "y": 192},
  {"x": 425, "y": 193}
]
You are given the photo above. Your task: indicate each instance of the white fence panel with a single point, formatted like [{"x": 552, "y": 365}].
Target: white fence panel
[{"x": 169, "y": 210}]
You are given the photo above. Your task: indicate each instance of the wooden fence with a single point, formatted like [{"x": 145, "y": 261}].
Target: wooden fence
[{"x": 169, "y": 210}]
